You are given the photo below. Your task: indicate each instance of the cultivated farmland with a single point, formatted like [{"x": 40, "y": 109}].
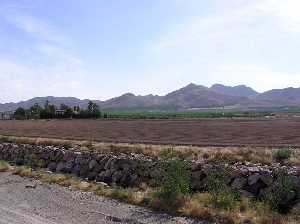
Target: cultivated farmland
[{"x": 200, "y": 132}]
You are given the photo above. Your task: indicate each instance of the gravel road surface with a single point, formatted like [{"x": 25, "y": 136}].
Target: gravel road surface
[{"x": 28, "y": 201}]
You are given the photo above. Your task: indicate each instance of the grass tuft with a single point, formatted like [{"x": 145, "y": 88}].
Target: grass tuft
[
  {"x": 4, "y": 166},
  {"x": 282, "y": 155}
]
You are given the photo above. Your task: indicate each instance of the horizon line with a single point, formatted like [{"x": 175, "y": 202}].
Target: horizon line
[{"x": 15, "y": 102}]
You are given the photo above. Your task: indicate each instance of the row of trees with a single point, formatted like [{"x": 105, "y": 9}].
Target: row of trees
[{"x": 50, "y": 111}]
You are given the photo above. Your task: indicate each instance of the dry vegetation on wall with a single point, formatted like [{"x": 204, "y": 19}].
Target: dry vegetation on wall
[{"x": 260, "y": 155}]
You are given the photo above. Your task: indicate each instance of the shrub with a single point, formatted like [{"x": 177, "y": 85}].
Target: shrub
[
  {"x": 282, "y": 193},
  {"x": 281, "y": 155},
  {"x": 225, "y": 200},
  {"x": 175, "y": 185},
  {"x": 177, "y": 179},
  {"x": 222, "y": 195}
]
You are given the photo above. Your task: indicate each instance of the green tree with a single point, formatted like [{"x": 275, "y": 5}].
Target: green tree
[
  {"x": 63, "y": 107},
  {"x": 76, "y": 108},
  {"x": 93, "y": 110},
  {"x": 20, "y": 113},
  {"x": 35, "y": 111},
  {"x": 48, "y": 112},
  {"x": 68, "y": 113},
  {"x": 46, "y": 105},
  {"x": 51, "y": 110}
]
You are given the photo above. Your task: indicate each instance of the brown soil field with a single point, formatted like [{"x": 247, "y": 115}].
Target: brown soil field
[{"x": 199, "y": 132}]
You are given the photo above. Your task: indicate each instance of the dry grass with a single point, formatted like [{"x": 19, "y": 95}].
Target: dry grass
[
  {"x": 200, "y": 205},
  {"x": 209, "y": 154},
  {"x": 51, "y": 178},
  {"x": 4, "y": 166}
]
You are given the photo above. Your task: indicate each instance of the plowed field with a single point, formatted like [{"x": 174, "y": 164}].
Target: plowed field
[{"x": 202, "y": 132}]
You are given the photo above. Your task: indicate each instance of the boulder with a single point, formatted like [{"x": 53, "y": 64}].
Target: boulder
[
  {"x": 105, "y": 176},
  {"x": 45, "y": 155},
  {"x": 129, "y": 180},
  {"x": 255, "y": 188},
  {"x": 101, "y": 162},
  {"x": 52, "y": 166},
  {"x": 109, "y": 164},
  {"x": 69, "y": 166},
  {"x": 81, "y": 159},
  {"x": 59, "y": 155},
  {"x": 69, "y": 156},
  {"x": 253, "y": 179},
  {"x": 52, "y": 155},
  {"x": 132, "y": 180},
  {"x": 116, "y": 177},
  {"x": 84, "y": 170},
  {"x": 60, "y": 167},
  {"x": 267, "y": 179},
  {"x": 92, "y": 164},
  {"x": 239, "y": 183},
  {"x": 98, "y": 168},
  {"x": 92, "y": 176},
  {"x": 76, "y": 169}
]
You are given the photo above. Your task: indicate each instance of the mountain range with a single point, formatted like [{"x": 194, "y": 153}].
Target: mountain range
[{"x": 191, "y": 96}]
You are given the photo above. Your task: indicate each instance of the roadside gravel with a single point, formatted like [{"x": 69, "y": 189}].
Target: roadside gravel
[{"x": 28, "y": 201}]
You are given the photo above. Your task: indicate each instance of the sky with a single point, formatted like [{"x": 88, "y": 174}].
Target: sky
[{"x": 99, "y": 49}]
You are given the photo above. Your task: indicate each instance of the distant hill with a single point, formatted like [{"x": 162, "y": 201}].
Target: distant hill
[
  {"x": 57, "y": 101},
  {"x": 189, "y": 97},
  {"x": 282, "y": 97},
  {"x": 129, "y": 100},
  {"x": 240, "y": 90},
  {"x": 195, "y": 96}
]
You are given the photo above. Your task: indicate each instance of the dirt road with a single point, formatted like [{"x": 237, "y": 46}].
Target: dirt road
[{"x": 26, "y": 201}]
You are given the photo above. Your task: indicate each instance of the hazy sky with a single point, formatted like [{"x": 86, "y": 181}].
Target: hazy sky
[{"x": 103, "y": 48}]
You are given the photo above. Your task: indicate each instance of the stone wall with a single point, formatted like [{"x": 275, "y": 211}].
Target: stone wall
[
  {"x": 132, "y": 169},
  {"x": 121, "y": 169}
]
